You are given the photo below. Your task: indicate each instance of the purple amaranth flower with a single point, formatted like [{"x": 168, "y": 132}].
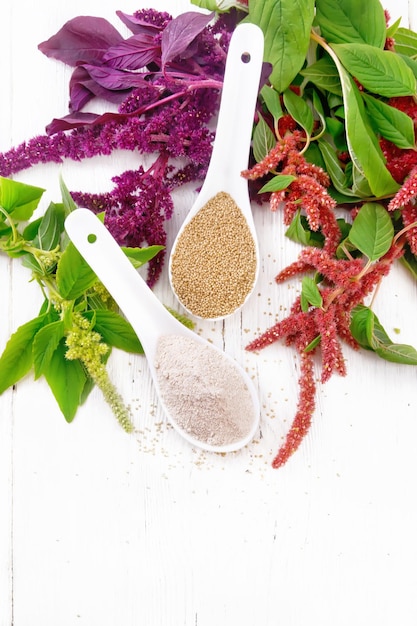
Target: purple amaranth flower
[
  {"x": 167, "y": 90},
  {"x": 136, "y": 210}
]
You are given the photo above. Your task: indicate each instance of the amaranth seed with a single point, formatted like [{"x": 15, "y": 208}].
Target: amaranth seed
[{"x": 213, "y": 267}]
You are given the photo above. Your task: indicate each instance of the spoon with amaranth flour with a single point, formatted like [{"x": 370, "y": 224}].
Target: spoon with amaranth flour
[
  {"x": 207, "y": 397},
  {"x": 213, "y": 266}
]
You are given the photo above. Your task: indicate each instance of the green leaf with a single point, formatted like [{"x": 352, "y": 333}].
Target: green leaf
[
  {"x": 263, "y": 140},
  {"x": 318, "y": 107},
  {"x": 220, "y": 6},
  {"x": 360, "y": 184},
  {"x": 333, "y": 168},
  {"x": 17, "y": 358},
  {"x": 286, "y": 25},
  {"x": 310, "y": 294},
  {"x": 372, "y": 231},
  {"x": 278, "y": 183},
  {"x": 363, "y": 146},
  {"x": 299, "y": 110},
  {"x": 67, "y": 201},
  {"x": 345, "y": 247},
  {"x": 340, "y": 198},
  {"x": 88, "y": 387},
  {"x": 73, "y": 275},
  {"x": 53, "y": 315},
  {"x": 31, "y": 229},
  {"x": 272, "y": 102},
  {"x": 296, "y": 231},
  {"x": 313, "y": 155},
  {"x": 398, "y": 353},
  {"x": 45, "y": 343},
  {"x": 390, "y": 351},
  {"x": 335, "y": 102},
  {"x": 370, "y": 334},
  {"x": 139, "y": 256},
  {"x": 300, "y": 232},
  {"x": 380, "y": 71},
  {"x": 391, "y": 123},
  {"x": 393, "y": 28},
  {"x": 352, "y": 21},
  {"x": 361, "y": 325},
  {"x": 313, "y": 344},
  {"x": 324, "y": 75},
  {"x": 115, "y": 330},
  {"x": 409, "y": 260},
  {"x": 19, "y": 200},
  {"x": 29, "y": 261},
  {"x": 411, "y": 63},
  {"x": 5, "y": 229},
  {"x": 406, "y": 42},
  {"x": 67, "y": 380},
  {"x": 211, "y": 5},
  {"x": 51, "y": 227}
]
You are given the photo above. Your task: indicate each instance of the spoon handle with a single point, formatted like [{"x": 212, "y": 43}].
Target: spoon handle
[
  {"x": 236, "y": 114},
  {"x": 142, "y": 308}
]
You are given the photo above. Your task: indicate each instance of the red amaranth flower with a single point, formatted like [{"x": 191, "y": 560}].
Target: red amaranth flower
[
  {"x": 400, "y": 161},
  {"x": 345, "y": 284},
  {"x": 409, "y": 219},
  {"x": 275, "y": 156},
  {"x": 308, "y": 191},
  {"x": 339, "y": 272},
  {"x": 332, "y": 357},
  {"x": 305, "y": 409},
  {"x": 406, "y": 200},
  {"x": 406, "y": 104},
  {"x": 286, "y": 124},
  {"x": 406, "y": 194}
]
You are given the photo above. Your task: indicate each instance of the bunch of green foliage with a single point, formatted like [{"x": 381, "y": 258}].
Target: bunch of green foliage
[{"x": 70, "y": 340}]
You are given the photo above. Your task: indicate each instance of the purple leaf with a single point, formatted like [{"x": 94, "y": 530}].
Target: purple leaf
[
  {"x": 78, "y": 119},
  {"x": 139, "y": 26},
  {"x": 80, "y": 89},
  {"x": 83, "y": 39},
  {"x": 180, "y": 32},
  {"x": 266, "y": 70},
  {"x": 83, "y": 88},
  {"x": 133, "y": 54},
  {"x": 114, "y": 79},
  {"x": 73, "y": 120}
]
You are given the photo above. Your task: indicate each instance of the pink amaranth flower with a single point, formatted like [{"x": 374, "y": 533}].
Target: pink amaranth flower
[
  {"x": 406, "y": 201},
  {"x": 332, "y": 357},
  {"x": 275, "y": 156},
  {"x": 307, "y": 192},
  {"x": 406, "y": 194},
  {"x": 344, "y": 284},
  {"x": 305, "y": 409},
  {"x": 409, "y": 219}
]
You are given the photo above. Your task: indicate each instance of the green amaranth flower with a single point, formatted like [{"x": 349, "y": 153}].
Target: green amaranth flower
[{"x": 86, "y": 345}]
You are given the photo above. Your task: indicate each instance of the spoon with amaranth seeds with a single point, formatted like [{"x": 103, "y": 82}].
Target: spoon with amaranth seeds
[{"x": 213, "y": 266}]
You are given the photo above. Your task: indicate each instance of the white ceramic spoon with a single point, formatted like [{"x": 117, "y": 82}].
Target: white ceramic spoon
[
  {"x": 147, "y": 315},
  {"x": 233, "y": 136}
]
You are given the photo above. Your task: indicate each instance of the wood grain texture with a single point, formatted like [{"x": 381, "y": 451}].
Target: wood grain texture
[{"x": 101, "y": 528}]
